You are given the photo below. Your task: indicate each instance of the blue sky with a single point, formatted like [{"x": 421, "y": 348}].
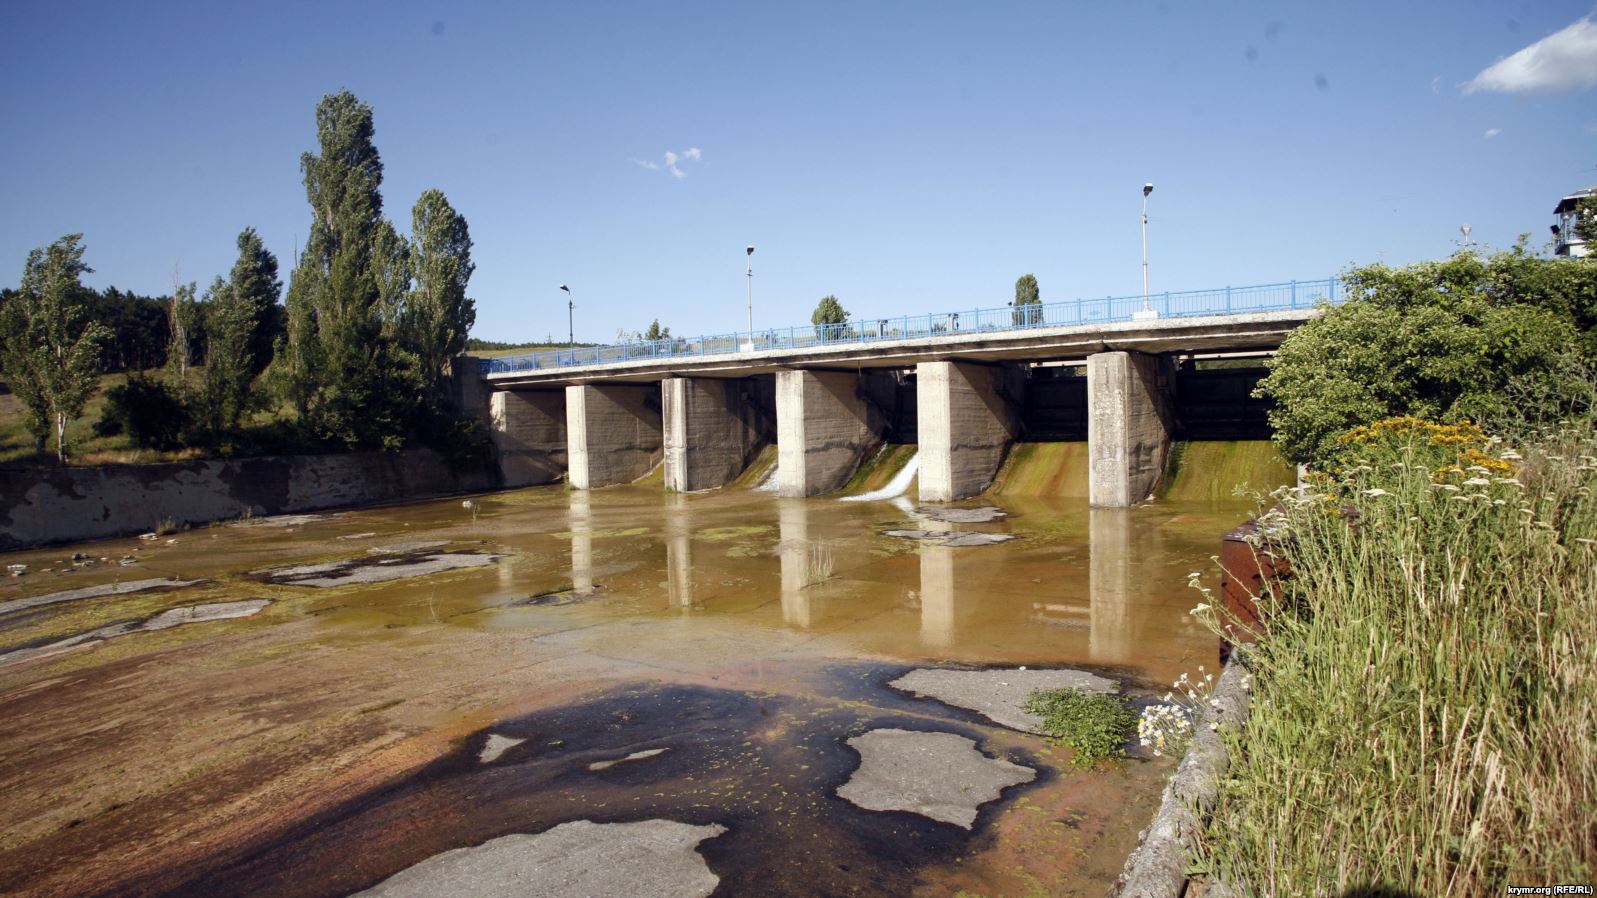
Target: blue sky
[{"x": 904, "y": 156}]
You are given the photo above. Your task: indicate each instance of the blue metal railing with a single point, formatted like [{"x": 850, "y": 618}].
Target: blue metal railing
[{"x": 1223, "y": 301}]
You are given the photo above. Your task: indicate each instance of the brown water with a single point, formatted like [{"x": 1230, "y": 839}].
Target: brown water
[{"x": 330, "y": 740}]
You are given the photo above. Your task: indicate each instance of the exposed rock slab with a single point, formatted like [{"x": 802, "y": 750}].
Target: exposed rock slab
[
  {"x": 635, "y": 756},
  {"x": 496, "y": 746},
  {"x": 998, "y": 694},
  {"x": 961, "y": 515},
  {"x": 374, "y": 569},
  {"x": 938, "y": 775},
  {"x": 955, "y": 538},
  {"x": 90, "y": 592},
  {"x": 415, "y": 545},
  {"x": 581, "y": 859},
  {"x": 280, "y": 520},
  {"x": 172, "y": 617}
]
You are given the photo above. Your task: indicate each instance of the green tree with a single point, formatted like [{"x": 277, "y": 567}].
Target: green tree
[
  {"x": 229, "y": 357},
  {"x": 828, "y": 312},
  {"x": 656, "y": 332},
  {"x": 335, "y": 364},
  {"x": 1028, "y": 301},
  {"x": 182, "y": 321},
  {"x": 1463, "y": 338},
  {"x": 438, "y": 314},
  {"x": 49, "y": 347},
  {"x": 254, "y": 284}
]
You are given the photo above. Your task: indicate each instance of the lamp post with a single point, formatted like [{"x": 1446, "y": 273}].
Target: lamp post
[
  {"x": 1146, "y": 312},
  {"x": 750, "y": 252},
  {"x": 571, "y": 307}
]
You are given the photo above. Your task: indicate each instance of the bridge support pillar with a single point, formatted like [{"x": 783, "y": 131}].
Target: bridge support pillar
[
  {"x": 713, "y": 428},
  {"x": 612, "y": 433},
  {"x": 824, "y": 429},
  {"x": 529, "y": 431},
  {"x": 1129, "y": 423},
  {"x": 966, "y": 418}
]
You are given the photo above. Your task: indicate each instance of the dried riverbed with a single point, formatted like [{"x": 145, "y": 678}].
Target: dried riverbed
[{"x": 418, "y": 679}]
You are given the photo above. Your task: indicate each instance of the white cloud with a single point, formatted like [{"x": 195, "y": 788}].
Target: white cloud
[
  {"x": 691, "y": 154},
  {"x": 1493, "y": 132},
  {"x": 1564, "y": 61}
]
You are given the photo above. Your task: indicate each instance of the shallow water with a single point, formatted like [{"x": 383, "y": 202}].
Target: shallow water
[{"x": 276, "y": 754}]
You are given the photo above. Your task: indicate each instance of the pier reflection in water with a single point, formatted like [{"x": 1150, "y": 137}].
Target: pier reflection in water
[{"x": 1105, "y": 586}]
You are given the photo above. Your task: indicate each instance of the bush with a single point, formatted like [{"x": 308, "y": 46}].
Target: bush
[
  {"x": 147, "y": 410},
  {"x": 1425, "y": 691},
  {"x": 1443, "y": 341},
  {"x": 1092, "y": 726}
]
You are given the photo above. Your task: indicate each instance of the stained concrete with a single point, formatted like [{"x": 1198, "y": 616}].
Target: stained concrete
[
  {"x": 529, "y": 433},
  {"x": 91, "y": 592},
  {"x": 713, "y": 428},
  {"x": 379, "y": 569},
  {"x": 824, "y": 429},
  {"x": 1129, "y": 426},
  {"x": 1000, "y": 694},
  {"x": 613, "y": 433},
  {"x": 938, "y": 775},
  {"x": 172, "y": 617},
  {"x": 966, "y": 418},
  {"x": 581, "y": 859}
]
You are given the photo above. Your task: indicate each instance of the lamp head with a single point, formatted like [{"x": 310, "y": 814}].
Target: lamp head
[
  {"x": 1465, "y": 229},
  {"x": 565, "y": 288},
  {"x": 750, "y": 249},
  {"x": 1147, "y": 188}
]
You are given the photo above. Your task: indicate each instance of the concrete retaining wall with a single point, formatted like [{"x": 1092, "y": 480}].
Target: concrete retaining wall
[
  {"x": 613, "y": 433},
  {"x": 56, "y": 505},
  {"x": 529, "y": 432},
  {"x": 824, "y": 429},
  {"x": 714, "y": 428}
]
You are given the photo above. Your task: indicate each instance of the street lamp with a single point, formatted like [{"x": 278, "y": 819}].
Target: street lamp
[
  {"x": 750, "y": 251},
  {"x": 571, "y": 331},
  {"x": 1146, "y": 312}
]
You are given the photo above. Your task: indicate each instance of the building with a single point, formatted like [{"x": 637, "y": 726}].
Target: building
[{"x": 1564, "y": 232}]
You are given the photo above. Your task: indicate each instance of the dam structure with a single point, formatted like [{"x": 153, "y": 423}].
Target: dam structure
[{"x": 964, "y": 386}]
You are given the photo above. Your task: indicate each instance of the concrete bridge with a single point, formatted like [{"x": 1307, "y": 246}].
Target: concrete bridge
[{"x": 964, "y": 386}]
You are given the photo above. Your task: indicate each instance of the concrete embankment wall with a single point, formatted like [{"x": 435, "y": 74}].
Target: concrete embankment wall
[{"x": 55, "y": 505}]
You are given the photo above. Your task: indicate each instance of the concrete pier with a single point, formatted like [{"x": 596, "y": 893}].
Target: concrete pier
[
  {"x": 966, "y": 418},
  {"x": 713, "y": 428},
  {"x": 612, "y": 433},
  {"x": 529, "y": 432},
  {"x": 824, "y": 429},
  {"x": 1129, "y": 426}
]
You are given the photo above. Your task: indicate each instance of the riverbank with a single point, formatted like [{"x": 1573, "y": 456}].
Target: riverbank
[{"x": 46, "y": 506}]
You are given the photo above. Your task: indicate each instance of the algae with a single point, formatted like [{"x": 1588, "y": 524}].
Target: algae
[{"x": 1220, "y": 470}]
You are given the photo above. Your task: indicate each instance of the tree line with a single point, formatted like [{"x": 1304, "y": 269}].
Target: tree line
[{"x": 362, "y": 350}]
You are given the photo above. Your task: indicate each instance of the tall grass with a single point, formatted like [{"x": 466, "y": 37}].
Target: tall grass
[{"x": 1425, "y": 693}]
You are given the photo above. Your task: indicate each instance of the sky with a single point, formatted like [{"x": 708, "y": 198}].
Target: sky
[{"x": 905, "y": 157}]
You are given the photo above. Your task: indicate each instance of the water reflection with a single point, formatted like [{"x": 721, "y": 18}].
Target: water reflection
[
  {"x": 1109, "y": 590},
  {"x": 793, "y": 526},
  {"x": 938, "y": 609},
  {"x": 678, "y": 552},
  {"x": 580, "y": 521}
]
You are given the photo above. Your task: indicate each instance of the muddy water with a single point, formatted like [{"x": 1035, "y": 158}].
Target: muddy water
[{"x": 332, "y": 738}]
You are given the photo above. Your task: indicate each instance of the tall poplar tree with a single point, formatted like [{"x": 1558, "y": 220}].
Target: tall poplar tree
[
  {"x": 336, "y": 362},
  {"x": 229, "y": 357},
  {"x": 253, "y": 282},
  {"x": 438, "y": 315},
  {"x": 49, "y": 348},
  {"x": 1028, "y": 301}
]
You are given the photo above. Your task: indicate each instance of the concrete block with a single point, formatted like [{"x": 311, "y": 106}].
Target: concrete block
[
  {"x": 713, "y": 429},
  {"x": 612, "y": 433},
  {"x": 824, "y": 429},
  {"x": 529, "y": 432},
  {"x": 1129, "y": 426},
  {"x": 966, "y": 419}
]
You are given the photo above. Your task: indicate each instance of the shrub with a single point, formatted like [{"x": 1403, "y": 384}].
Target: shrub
[
  {"x": 147, "y": 410},
  {"x": 1092, "y": 726}
]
